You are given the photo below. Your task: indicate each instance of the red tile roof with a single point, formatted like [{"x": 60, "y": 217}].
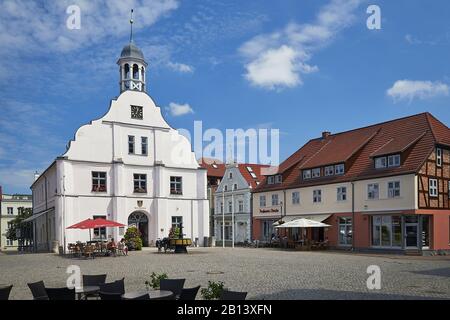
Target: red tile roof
[
  {"x": 256, "y": 169},
  {"x": 414, "y": 136},
  {"x": 214, "y": 167}
]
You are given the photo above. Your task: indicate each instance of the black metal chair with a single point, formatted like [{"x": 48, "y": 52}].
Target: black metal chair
[
  {"x": 38, "y": 290},
  {"x": 93, "y": 280},
  {"x": 113, "y": 287},
  {"x": 4, "y": 292},
  {"x": 233, "y": 295},
  {"x": 110, "y": 295},
  {"x": 174, "y": 285},
  {"x": 60, "y": 293},
  {"x": 189, "y": 293}
]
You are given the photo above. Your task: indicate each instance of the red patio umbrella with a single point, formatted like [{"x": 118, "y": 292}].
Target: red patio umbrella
[{"x": 95, "y": 223}]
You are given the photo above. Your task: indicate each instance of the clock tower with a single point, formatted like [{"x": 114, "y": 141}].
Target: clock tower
[{"x": 132, "y": 66}]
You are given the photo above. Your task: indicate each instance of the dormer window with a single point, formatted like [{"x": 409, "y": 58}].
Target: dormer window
[
  {"x": 394, "y": 160},
  {"x": 316, "y": 172},
  {"x": 271, "y": 180},
  {"x": 339, "y": 169},
  {"x": 306, "y": 174},
  {"x": 278, "y": 178},
  {"x": 380, "y": 162},
  {"x": 329, "y": 171}
]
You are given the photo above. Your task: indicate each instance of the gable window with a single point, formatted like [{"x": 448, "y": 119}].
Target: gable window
[
  {"x": 98, "y": 181},
  {"x": 225, "y": 188},
  {"x": 393, "y": 189},
  {"x": 380, "y": 162},
  {"x": 306, "y": 174},
  {"x": 131, "y": 144},
  {"x": 329, "y": 170},
  {"x": 339, "y": 169},
  {"x": 433, "y": 187},
  {"x": 230, "y": 175},
  {"x": 316, "y": 172},
  {"x": 394, "y": 160},
  {"x": 439, "y": 157},
  {"x": 341, "y": 193},
  {"x": 373, "y": 191},
  {"x": 295, "y": 197},
  {"x": 262, "y": 201},
  {"x": 270, "y": 180},
  {"x": 144, "y": 145},
  {"x": 10, "y": 210},
  {"x": 278, "y": 178},
  {"x": 140, "y": 183},
  {"x": 176, "y": 185},
  {"x": 317, "y": 196},
  {"x": 275, "y": 199},
  {"x": 240, "y": 206},
  {"x": 235, "y": 186}
]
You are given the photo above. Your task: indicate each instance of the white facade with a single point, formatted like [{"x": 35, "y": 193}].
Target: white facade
[
  {"x": 233, "y": 205},
  {"x": 9, "y": 210},
  {"x": 69, "y": 191}
]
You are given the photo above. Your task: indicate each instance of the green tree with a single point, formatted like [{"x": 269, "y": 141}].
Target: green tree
[{"x": 16, "y": 224}]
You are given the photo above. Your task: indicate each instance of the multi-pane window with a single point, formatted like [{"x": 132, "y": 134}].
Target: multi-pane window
[
  {"x": 386, "y": 231},
  {"x": 339, "y": 169},
  {"x": 262, "y": 201},
  {"x": 221, "y": 207},
  {"x": 230, "y": 206},
  {"x": 177, "y": 222},
  {"x": 230, "y": 175},
  {"x": 225, "y": 188},
  {"x": 372, "y": 191},
  {"x": 316, "y": 172},
  {"x": 317, "y": 196},
  {"x": 393, "y": 189},
  {"x": 100, "y": 233},
  {"x": 433, "y": 187},
  {"x": 144, "y": 145},
  {"x": 345, "y": 231},
  {"x": 9, "y": 242},
  {"x": 394, "y": 160},
  {"x": 278, "y": 178},
  {"x": 176, "y": 185},
  {"x": 380, "y": 162},
  {"x": 10, "y": 210},
  {"x": 341, "y": 193},
  {"x": 306, "y": 174},
  {"x": 98, "y": 181},
  {"x": 271, "y": 180},
  {"x": 329, "y": 170},
  {"x": 131, "y": 144},
  {"x": 275, "y": 199},
  {"x": 235, "y": 186},
  {"x": 439, "y": 157},
  {"x": 140, "y": 183},
  {"x": 295, "y": 197},
  {"x": 240, "y": 206}
]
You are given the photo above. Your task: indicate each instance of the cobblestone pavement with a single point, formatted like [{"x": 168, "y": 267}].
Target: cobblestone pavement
[{"x": 263, "y": 273}]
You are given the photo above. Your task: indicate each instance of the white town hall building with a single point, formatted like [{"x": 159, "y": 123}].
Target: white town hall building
[{"x": 129, "y": 166}]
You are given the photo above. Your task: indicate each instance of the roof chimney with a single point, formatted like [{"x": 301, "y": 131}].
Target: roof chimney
[
  {"x": 36, "y": 175},
  {"x": 325, "y": 134}
]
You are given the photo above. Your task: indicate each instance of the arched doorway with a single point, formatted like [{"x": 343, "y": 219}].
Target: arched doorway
[{"x": 140, "y": 220}]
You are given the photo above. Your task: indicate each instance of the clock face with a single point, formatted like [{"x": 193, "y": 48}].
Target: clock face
[{"x": 136, "y": 112}]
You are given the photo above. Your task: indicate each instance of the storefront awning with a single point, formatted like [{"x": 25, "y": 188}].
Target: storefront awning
[
  {"x": 314, "y": 217},
  {"x": 35, "y": 216}
]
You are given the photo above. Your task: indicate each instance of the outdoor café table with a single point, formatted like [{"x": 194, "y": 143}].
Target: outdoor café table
[
  {"x": 86, "y": 290},
  {"x": 154, "y": 294}
]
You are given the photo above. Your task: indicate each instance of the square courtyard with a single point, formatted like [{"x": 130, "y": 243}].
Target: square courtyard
[{"x": 263, "y": 273}]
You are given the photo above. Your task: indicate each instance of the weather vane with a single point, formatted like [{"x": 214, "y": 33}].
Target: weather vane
[{"x": 131, "y": 24}]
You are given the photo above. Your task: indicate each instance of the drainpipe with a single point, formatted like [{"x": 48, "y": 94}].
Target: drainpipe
[
  {"x": 353, "y": 216},
  {"x": 46, "y": 213}
]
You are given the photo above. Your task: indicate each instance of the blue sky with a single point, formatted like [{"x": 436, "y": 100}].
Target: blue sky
[{"x": 218, "y": 57}]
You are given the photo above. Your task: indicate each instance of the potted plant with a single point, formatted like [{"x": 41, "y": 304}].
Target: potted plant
[
  {"x": 155, "y": 280},
  {"x": 133, "y": 238},
  {"x": 213, "y": 291}
]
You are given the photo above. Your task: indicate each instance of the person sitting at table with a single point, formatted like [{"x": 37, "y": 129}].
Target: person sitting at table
[
  {"x": 111, "y": 246},
  {"x": 122, "y": 245}
]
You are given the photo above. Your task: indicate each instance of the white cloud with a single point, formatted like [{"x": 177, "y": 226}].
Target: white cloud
[
  {"x": 180, "y": 67},
  {"x": 279, "y": 59},
  {"x": 410, "y": 90},
  {"x": 177, "y": 110}
]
